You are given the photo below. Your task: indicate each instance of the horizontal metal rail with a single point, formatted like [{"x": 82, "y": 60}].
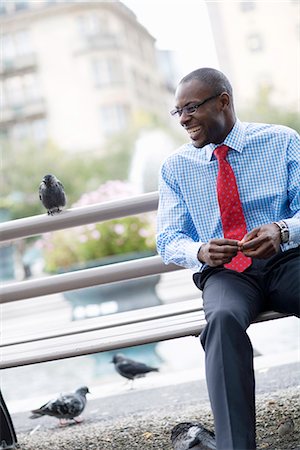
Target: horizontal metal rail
[
  {"x": 99, "y": 212},
  {"x": 84, "y": 278}
]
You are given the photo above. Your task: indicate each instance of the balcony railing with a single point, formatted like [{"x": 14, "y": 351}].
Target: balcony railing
[
  {"x": 27, "y": 109},
  {"x": 18, "y": 65}
]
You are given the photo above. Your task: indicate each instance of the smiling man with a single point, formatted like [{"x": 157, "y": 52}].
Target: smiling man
[{"x": 229, "y": 210}]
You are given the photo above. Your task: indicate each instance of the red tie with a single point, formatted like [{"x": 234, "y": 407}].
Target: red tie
[{"x": 232, "y": 216}]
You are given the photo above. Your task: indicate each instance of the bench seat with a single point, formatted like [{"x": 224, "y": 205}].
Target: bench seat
[{"x": 127, "y": 329}]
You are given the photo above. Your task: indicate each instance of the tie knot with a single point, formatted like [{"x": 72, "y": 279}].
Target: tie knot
[{"x": 221, "y": 152}]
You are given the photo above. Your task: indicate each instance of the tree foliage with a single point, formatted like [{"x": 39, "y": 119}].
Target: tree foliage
[
  {"x": 263, "y": 110},
  {"x": 23, "y": 169}
]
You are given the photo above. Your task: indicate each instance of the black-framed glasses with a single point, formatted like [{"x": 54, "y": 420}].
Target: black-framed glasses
[{"x": 191, "y": 109}]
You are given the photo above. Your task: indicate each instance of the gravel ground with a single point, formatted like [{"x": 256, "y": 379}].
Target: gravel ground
[{"x": 152, "y": 430}]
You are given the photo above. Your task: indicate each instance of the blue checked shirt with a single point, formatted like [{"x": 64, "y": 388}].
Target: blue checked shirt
[{"x": 266, "y": 162}]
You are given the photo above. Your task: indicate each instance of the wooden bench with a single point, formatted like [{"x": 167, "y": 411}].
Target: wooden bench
[{"x": 137, "y": 327}]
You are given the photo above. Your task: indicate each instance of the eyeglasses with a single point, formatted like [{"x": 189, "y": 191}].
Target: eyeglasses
[{"x": 189, "y": 110}]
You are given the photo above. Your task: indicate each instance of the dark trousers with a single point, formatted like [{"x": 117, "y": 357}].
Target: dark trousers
[
  {"x": 8, "y": 438},
  {"x": 231, "y": 302}
]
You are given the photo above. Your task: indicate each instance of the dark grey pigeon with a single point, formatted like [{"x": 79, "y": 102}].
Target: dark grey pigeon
[
  {"x": 66, "y": 406},
  {"x": 131, "y": 369},
  {"x": 194, "y": 436},
  {"x": 52, "y": 194}
]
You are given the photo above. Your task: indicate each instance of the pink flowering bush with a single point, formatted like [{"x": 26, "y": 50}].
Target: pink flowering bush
[{"x": 80, "y": 245}]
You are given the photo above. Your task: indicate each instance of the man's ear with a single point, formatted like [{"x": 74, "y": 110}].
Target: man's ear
[{"x": 225, "y": 100}]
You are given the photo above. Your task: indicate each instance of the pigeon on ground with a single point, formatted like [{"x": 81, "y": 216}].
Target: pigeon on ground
[
  {"x": 194, "y": 436},
  {"x": 66, "y": 406},
  {"x": 286, "y": 426},
  {"x": 52, "y": 194},
  {"x": 131, "y": 369}
]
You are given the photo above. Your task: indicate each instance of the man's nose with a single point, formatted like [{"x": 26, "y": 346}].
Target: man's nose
[{"x": 184, "y": 118}]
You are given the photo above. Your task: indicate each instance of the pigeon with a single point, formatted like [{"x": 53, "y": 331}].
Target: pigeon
[
  {"x": 52, "y": 194},
  {"x": 187, "y": 435},
  {"x": 286, "y": 426},
  {"x": 131, "y": 369},
  {"x": 66, "y": 406}
]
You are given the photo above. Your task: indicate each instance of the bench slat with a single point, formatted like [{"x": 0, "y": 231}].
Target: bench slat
[
  {"x": 189, "y": 323},
  {"x": 110, "y": 321}
]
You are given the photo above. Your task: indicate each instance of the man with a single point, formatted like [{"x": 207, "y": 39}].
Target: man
[{"x": 229, "y": 209}]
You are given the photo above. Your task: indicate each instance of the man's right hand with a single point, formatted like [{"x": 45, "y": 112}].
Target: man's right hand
[{"x": 218, "y": 252}]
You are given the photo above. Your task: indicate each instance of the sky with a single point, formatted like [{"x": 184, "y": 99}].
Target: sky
[{"x": 179, "y": 25}]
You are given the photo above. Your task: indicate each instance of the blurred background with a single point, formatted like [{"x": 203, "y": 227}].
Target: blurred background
[{"x": 86, "y": 90}]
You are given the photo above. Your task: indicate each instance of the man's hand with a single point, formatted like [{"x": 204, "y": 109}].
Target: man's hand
[
  {"x": 217, "y": 252},
  {"x": 262, "y": 242}
]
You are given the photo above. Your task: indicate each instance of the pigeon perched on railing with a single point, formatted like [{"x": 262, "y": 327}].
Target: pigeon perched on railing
[
  {"x": 52, "y": 194},
  {"x": 131, "y": 369},
  {"x": 65, "y": 406},
  {"x": 192, "y": 436}
]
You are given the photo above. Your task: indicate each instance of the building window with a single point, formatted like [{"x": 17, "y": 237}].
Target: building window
[
  {"x": 113, "y": 118},
  {"x": 31, "y": 89},
  {"x": 4, "y": 133},
  {"x": 107, "y": 71},
  {"x": 20, "y": 131},
  {"x": 21, "y": 4},
  {"x": 13, "y": 91},
  {"x": 8, "y": 47},
  {"x": 247, "y": 6},
  {"x": 254, "y": 42},
  {"x": 39, "y": 130},
  {"x": 23, "y": 43},
  {"x": 17, "y": 44},
  {"x": 20, "y": 90},
  {"x": 35, "y": 130},
  {"x": 3, "y": 10},
  {"x": 91, "y": 25}
]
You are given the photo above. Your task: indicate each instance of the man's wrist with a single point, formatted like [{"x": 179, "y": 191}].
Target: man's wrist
[
  {"x": 284, "y": 231},
  {"x": 199, "y": 255}
]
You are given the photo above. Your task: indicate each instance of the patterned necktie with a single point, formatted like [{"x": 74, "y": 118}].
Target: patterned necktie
[{"x": 232, "y": 216}]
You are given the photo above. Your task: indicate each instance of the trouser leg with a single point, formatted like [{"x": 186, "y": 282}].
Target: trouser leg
[
  {"x": 231, "y": 302},
  {"x": 8, "y": 438},
  {"x": 282, "y": 275}
]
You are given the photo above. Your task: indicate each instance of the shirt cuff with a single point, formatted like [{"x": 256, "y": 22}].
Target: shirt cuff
[
  {"x": 294, "y": 230},
  {"x": 191, "y": 251}
]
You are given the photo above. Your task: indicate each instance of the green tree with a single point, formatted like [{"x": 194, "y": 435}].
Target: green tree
[
  {"x": 263, "y": 110},
  {"x": 23, "y": 169}
]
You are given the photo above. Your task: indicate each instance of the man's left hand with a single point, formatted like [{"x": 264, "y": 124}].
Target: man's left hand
[{"x": 262, "y": 242}]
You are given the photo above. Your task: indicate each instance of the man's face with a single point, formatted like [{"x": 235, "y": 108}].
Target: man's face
[{"x": 207, "y": 123}]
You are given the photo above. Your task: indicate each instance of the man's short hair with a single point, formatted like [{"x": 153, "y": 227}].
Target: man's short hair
[{"x": 212, "y": 78}]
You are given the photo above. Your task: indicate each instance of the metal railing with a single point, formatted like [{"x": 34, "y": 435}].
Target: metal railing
[
  {"x": 99, "y": 212},
  {"x": 36, "y": 225}
]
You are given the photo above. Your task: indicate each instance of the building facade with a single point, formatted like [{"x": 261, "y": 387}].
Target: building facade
[
  {"x": 258, "y": 46},
  {"x": 76, "y": 72}
]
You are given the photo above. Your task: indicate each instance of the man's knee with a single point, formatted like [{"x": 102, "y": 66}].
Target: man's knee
[{"x": 221, "y": 325}]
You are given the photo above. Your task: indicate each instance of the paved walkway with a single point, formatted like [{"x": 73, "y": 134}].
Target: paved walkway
[{"x": 142, "y": 418}]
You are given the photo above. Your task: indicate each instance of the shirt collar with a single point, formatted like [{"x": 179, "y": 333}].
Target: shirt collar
[{"x": 235, "y": 140}]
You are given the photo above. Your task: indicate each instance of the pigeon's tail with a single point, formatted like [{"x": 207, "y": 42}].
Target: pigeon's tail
[
  {"x": 194, "y": 436},
  {"x": 36, "y": 413}
]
